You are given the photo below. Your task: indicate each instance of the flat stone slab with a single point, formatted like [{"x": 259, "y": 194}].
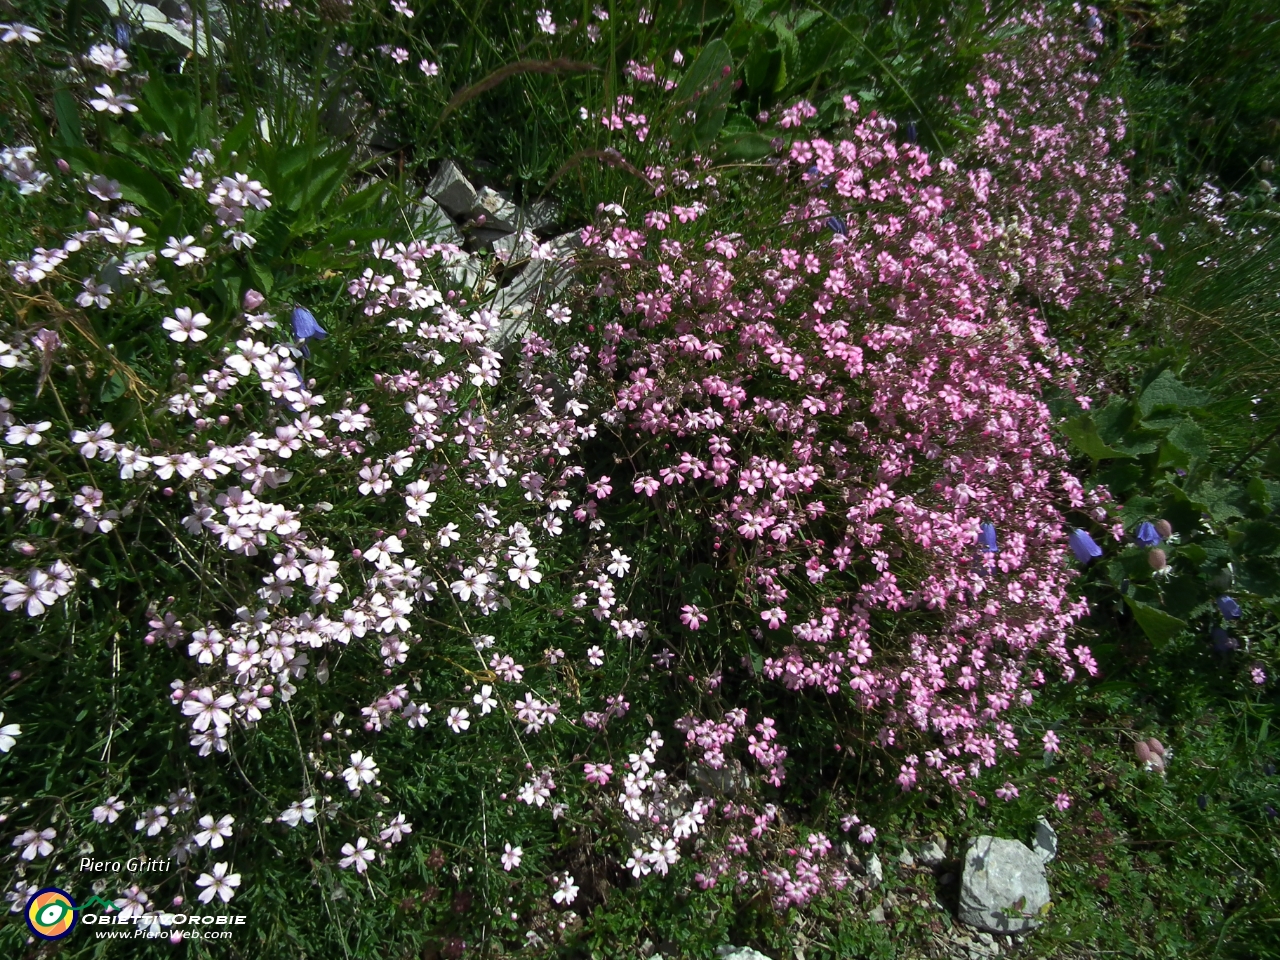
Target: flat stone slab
[{"x": 452, "y": 190}]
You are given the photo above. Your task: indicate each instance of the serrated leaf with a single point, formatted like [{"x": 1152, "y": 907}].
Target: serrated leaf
[
  {"x": 1258, "y": 539},
  {"x": 1188, "y": 437},
  {"x": 1084, "y": 434},
  {"x": 1221, "y": 500},
  {"x": 1159, "y": 626},
  {"x": 1168, "y": 391}
]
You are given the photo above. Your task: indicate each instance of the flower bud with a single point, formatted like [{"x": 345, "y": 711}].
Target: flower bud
[
  {"x": 1164, "y": 528},
  {"x": 1143, "y": 751},
  {"x": 1157, "y": 559},
  {"x": 1156, "y": 746}
]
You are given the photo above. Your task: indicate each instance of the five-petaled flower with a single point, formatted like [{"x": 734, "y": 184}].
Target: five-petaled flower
[{"x": 220, "y": 883}]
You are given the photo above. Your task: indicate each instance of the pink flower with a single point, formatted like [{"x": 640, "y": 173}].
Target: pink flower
[
  {"x": 598, "y": 773},
  {"x": 775, "y": 617},
  {"x": 1007, "y": 792},
  {"x": 1062, "y": 801},
  {"x": 1050, "y": 741},
  {"x": 692, "y": 617}
]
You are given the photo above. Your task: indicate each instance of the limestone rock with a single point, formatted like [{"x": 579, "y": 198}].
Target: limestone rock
[
  {"x": 739, "y": 953},
  {"x": 499, "y": 213},
  {"x": 1045, "y": 844},
  {"x": 429, "y": 222},
  {"x": 932, "y": 854},
  {"x": 513, "y": 247},
  {"x": 1004, "y": 888},
  {"x": 875, "y": 871},
  {"x": 452, "y": 190}
]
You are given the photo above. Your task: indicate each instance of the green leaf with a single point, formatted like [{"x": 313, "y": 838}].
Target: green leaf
[
  {"x": 1259, "y": 577},
  {"x": 68, "y": 114},
  {"x": 1258, "y": 539},
  {"x": 1084, "y": 434},
  {"x": 705, "y": 90},
  {"x": 138, "y": 185},
  {"x": 1159, "y": 626},
  {"x": 113, "y": 389},
  {"x": 1168, "y": 391},
  {"x": 1189, "y": 438},
  {"x": 1221, "y": 500},
  {"x": 749, "y": 148}
]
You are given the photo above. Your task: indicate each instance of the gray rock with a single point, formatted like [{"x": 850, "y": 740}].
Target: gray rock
[
  {"x": 1045, "y": 844},
  {"x": 452, "y": 190},
  {"x": 875, "y": 871},
  {"x": 499, "y": 213},
  {"x": 1004, "y": 888},
  {"x": 429, "y": 222},
  {"x": 147, "y": 18},
  {"x": 540, "y": 215},
  {"x": 727, "y": 952},
  {"x": 469, "y": 272},
  {"x": 725, "y": 781},
  {"x": 932, "y": 854},
  {"x": 543, "y": 280},
  {"x": 877, "y": 914},
  {"x": 513, "y": 247},
  {"x": 906, "y": 859}
]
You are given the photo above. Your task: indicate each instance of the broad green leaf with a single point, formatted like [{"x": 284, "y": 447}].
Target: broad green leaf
[
  {"x": 705, "y": 90},
  {"x": 1159, "y": 626},
  {"x": 1084, "y": 434},
  {"x": 1168, "y": 391},
  {"x": 68, "y": 114},
  {"x": 1221, "y": 500},
  {"x": 138, "y": 185},
  {"x": 1189, "y": 438},
  {"x": 1257, "y": 539},
  {"x": 749, "y": 148}
]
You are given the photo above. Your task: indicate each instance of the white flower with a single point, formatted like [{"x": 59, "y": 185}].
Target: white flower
[
  {"x": 108, "y": 58},
  {"x": 104, "y": 188},
  {"x": 523, "y": 569},
  {"x": 35, "y": 843},
  {"x": 109, "y": 810},
  {"x": 192, "y": 179},
  {"x": 362, "y": 770},
  {"x": 184, "y": 252},
  {"x": 511, "y": 857},
  {"x": 620, "y": 565},
  {"x": 396, "y": 830},
  {"x": 359, "y": 856},
  {"x": 108, "y": 101},
  {"x": 214, "y": 833},
  {"x": 153, "y": 821},
  {"x": 28, "y": 433},
  {"x": 122, "y": 234},
  {"x": 186, "y": 325},
  {"x": 10, "y": 732},
  {"x": 568, "y": 891},
  {"x": 295, "y": 813},
  {"x": 221, "y": 883},
  {"x": 484, "y": 700},
  {"x": 19, "y": 32},
  {"x": 545, "y": 23},
  {"x": 458, "y": 720},
  {"x": 595, "y": 657}
]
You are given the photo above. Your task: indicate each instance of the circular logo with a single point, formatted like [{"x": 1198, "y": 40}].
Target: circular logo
[{"x": 51, "y": 913}]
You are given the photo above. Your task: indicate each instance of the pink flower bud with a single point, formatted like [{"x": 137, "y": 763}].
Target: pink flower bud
[
  {"x": 1164, "y": 528},
  {"x": 253, "y": 299},
  {"x": 1156, "y": 559},
  {"x": 1143, "y": 752},
  {"x": 1156, "y": 746}
]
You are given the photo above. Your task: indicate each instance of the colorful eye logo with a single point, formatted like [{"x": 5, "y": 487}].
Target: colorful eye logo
[{"x": 51, "y": 913}]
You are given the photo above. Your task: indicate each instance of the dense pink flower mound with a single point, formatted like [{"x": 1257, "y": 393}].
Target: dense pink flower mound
[
  {"x": 851, "y": 398},
  {"x": 1045, "y": 162}
]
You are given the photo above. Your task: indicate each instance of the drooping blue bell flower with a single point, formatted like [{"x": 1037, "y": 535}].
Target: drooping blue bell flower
[
  {"x": 1148, "y": 535},
  {"x": 124, "y": 35},
  {"x": 911, "y": 131},
  {"x": 1223, "y": 642},
  {"x": 1229, "y": 608},
  {"x": 1083, "y": 547},
  {"x": 837, "y": 226},
  {"x": 306, "y": 327},
  {"x": 1093, "y": 23},
  {"x": 987, "y": 538}
]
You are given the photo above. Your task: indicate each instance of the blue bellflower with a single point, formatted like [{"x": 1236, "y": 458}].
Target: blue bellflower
[
  {"x": 1229, "y": 608},
  {"x": 306, "y": 327},
  {"x": 987, "y": 538},
  {"x": 1147, "y": 534},
  {"x": 1083, "y": 547},
  {"x": 911, "y": 132},
  {"x": 836, "y": 225}
]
